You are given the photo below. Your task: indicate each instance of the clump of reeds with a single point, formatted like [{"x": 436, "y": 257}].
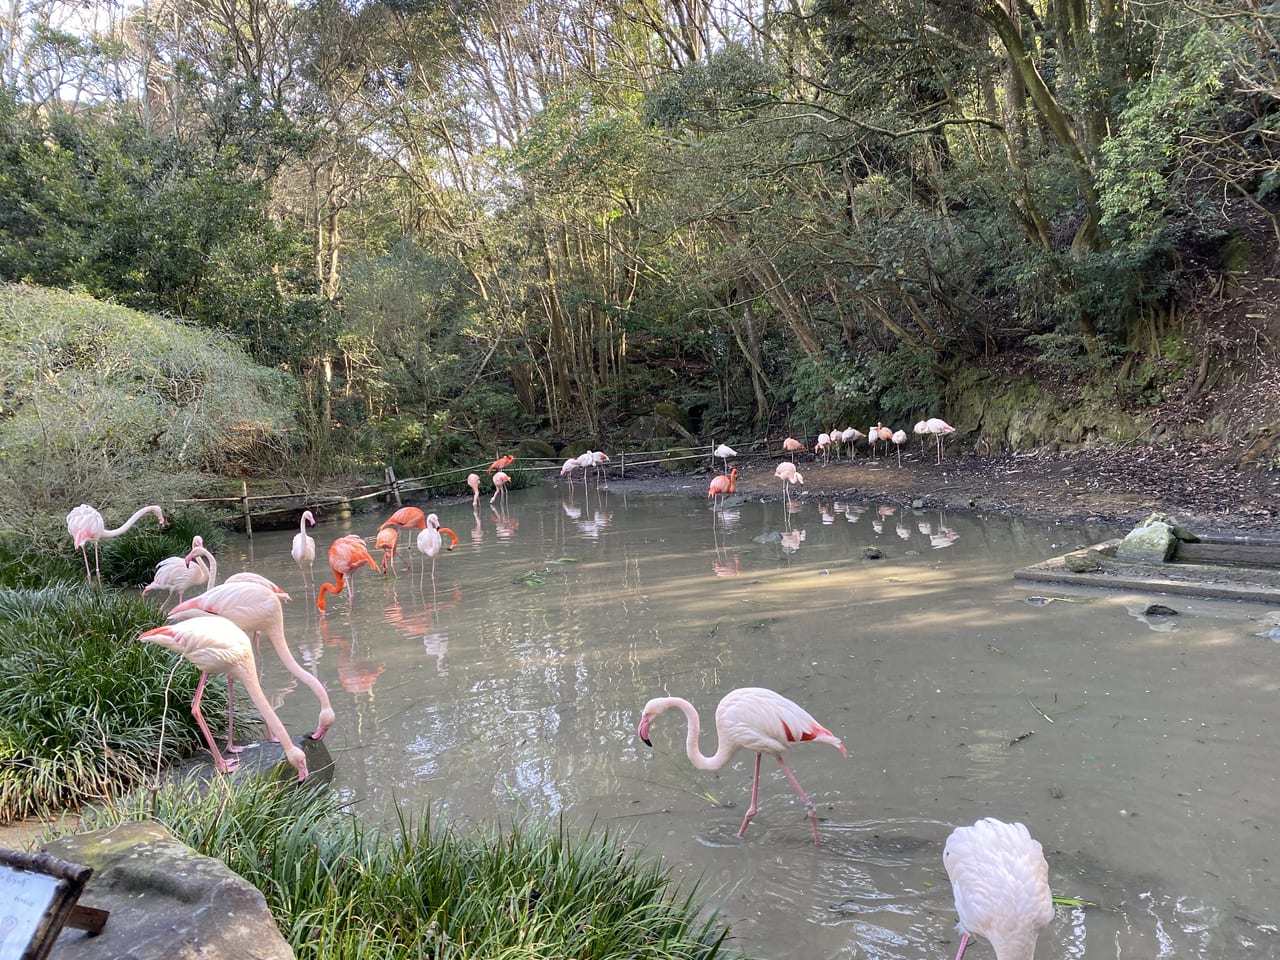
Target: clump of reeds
[
  {"x": 82, "y": 702},
  {"x": 338, "y": 889}
]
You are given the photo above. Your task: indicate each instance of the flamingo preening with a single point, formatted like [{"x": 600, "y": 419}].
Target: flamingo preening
[
  {"x": 175, "y": 575},
  {"x": 749, "y": 718},
  {"x": 1000, "y": 880},
  {"x": 724, "y": 452}
]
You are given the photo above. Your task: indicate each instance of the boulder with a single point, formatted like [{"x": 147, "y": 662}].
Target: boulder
[
  {"x": 166, "y": 901},
  {"x": 1153, "y": 542}
]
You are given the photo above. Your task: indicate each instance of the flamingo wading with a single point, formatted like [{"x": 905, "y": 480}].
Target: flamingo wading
[
  {"x": 749, "y": 718},
  {"x": 346, "y": 555},
  {"x": 1001, "y": 884},
  {"x": 303, "y": 549}
]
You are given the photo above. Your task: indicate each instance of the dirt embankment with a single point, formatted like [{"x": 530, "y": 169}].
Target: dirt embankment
[{"x": 1199, "y": 483}]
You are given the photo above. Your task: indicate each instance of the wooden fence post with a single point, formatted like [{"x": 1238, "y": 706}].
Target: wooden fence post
[
  {"x": 394, "y": 484},
  {"x": 622, "y": 462},
  {"x": 244, "y": 504}
]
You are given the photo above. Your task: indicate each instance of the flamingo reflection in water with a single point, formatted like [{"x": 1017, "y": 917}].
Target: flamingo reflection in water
[
  {"x": 357, "y": 671},
  {"x": 424, "y": 624}
]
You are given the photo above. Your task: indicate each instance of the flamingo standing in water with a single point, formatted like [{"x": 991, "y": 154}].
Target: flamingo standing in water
[
  {"x": 500, "y": 481},
  {"x": 749, "y": 718},
  {"x": 346, "y": 555},
  {"x": 473, "y": 481},
  {"x": 216, "y": 645},
  {"x": 1001, "y": 884},
  {"x": 411, "y": 517},
  {"x": 567, "y": 468},
  {"x": 430, "y": 540},
  {"x": 724, "y": 452},
  {"x": 939, "y": 429},
  {"x": 177, "y": 576},
  {"x": 388, "y": 541},
  {"x": 255, "y": 607},
  {"x": 84, "y": 523},
  {"x": 722, "y": 486},
  {"x": 787, "y": 473},
  {"x": 303, "y": 549}
]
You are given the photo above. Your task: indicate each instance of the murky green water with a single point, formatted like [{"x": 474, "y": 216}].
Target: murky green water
[{"x": 1141, "y": 752}]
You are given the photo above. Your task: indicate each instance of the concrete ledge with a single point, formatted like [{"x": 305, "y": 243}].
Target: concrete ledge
[{"x": 1098, "y": 567}]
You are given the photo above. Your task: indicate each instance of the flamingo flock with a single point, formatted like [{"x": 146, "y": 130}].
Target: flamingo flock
[{"x": 998, "y": 872}]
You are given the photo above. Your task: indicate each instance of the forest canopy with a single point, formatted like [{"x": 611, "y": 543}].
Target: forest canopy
[{"x": 455, "y": 223}]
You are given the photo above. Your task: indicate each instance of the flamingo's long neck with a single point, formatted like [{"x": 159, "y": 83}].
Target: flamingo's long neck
[
  {"x": 724, "y": 750},
  {"x": 138, "y": 515},
  {"x": 197, "y": 553},
  {"x": 336, "y": 587}
]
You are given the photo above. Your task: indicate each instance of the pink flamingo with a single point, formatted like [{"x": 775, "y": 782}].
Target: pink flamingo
[
  {"x": 216, "y": 645},
  {"x": 824, "y": 441},
  {"x": 256, "y": 607},
  {"x": 749, "y": 718},
  {"x": 851, "y": 436},
  {"x": 724, "y": 452},
  {"x": 1001, "y": 884},
  {"x": 787, "y": 473},
  {"x": 792, "y": 445},
  {"x": 921, "y": 430},
  {"x": 346, "y": 555},
  {"x": 567, "y": 468},
  {"x": 174, "y": 574},
  {"x": 939, "y": 429},
  {"x": 473, "y": 481},
  {"x": 303, "y": 549},
  {"x": 722, "y": 486},
  {"x": 500, "y": 481},
  {"x": 430, "y": 539},
  {"x": 899, "y": 437},
  {"x": 84, "y": 523}
]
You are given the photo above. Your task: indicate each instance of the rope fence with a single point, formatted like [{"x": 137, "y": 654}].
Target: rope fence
[{"x": 392, "y": 489}]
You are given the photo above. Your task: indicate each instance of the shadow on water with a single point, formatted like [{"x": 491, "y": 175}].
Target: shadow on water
[{"x": 1141, "y": 753}]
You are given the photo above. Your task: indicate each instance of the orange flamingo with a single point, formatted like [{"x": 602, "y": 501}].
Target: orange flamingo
[
  {"x": 722, "y": 486},
  {"x": 410, "y": 517},
  {"x": 749, "y": 718},
  {"x": 216, "y": 645},
  {"x": 792, "y": 445},
  {"x": 346, "y": 555},
  {"x": 501, "y": 463},
  {"x": 1001, "y": 885},
  {"x": 84, "y": 523},
  {"x": 388, "y": 541}
]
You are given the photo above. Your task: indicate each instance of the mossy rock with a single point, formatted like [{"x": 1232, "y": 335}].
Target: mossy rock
[
  {"x": 673, "y": 412},
  {"x": 535, "y": 450}
]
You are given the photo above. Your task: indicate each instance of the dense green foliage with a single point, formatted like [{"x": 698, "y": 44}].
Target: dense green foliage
[
  {"x": 338, "y": 889},
  {"x": 455, "y": 226},
  {"x": 86, "y": 711}
]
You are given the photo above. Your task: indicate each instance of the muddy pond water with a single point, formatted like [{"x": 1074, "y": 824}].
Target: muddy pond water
[{"x": 1140, "y": 750}]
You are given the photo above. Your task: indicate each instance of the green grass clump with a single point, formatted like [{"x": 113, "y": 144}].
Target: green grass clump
[
  {"x": 83, "y": 702},
  {"x": 339, "y": 890}
]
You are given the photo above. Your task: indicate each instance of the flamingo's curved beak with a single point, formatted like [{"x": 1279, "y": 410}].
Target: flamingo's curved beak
[{"x": 643, "y": 731}]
